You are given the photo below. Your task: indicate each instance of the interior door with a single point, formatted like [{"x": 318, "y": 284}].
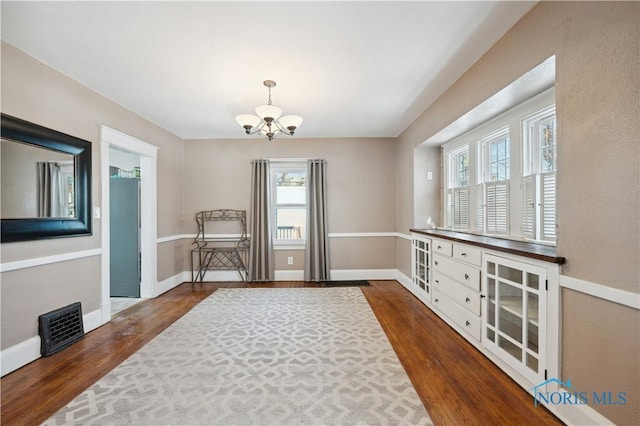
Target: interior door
[{"x": 125, "y": 237}]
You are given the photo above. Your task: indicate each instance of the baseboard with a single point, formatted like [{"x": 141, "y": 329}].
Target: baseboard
[
  {"x": 289, "y": 275},
  {"x": 19, "y": 355},
  {"x": 92, "y": 320},
  {"x": 403, "y": 279},
  {"x": 298, "y": 275},
  {"x": 413, "y": 289},
  {"x": 28, "y": 351},
  {"x": 363, "y": 274},
  {"x": 219, "y": 276},
  {"x": 171, "y": 282},
  {"x": 578, "y": 415}
]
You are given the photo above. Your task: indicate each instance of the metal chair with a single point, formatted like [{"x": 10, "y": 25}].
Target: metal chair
[{"x": 221, "y": 243}]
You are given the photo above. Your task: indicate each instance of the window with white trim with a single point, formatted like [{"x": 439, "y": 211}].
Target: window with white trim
[
  {"x": 492, "y": 191},
  {"x": 458, "y": 189},
  {"x": 500, "y": 177},
  {"x": 289, "y": 198},
  {"x": 539, "y": 175}
]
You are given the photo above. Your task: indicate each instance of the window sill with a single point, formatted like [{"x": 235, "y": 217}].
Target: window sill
[{"x": 288, "y": 246}]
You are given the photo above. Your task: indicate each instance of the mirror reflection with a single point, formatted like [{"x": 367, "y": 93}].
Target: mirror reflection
[{"x": 36, "y": 182}]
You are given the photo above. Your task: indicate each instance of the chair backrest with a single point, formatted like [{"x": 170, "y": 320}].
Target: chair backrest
[{"x": 222, "y": 228}]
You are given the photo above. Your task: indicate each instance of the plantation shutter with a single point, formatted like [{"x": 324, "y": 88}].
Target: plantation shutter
[
  {"x": 497, "y": 200},
  {"x": 548, "y": 206},
  {"x": 449, "y": 213},
  {"x": 461, "y": 208},
  {"x": 480, "y": 208},
  {"x": 529, "y": 206}
]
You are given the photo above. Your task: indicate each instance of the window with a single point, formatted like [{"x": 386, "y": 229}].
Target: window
[
  {"x": 492, "y": 192},
  {"x": 539, "y": 175},
  {"x": 289, "y": 202},
  {"x": 458, "y": 190},
  {"x": 499, "y": 178}
]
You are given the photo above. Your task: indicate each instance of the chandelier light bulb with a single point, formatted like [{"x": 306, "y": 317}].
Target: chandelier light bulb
[
  {"x": 291, "y": 122},
  {"x": 272, "y": 111},
  {"x": 248, "y": 121}
]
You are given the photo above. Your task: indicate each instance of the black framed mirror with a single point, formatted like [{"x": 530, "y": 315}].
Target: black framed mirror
[{"x": 46, "y": 182}]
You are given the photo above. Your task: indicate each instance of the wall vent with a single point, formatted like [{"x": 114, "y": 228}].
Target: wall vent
[{"x": 60, "y": 328}]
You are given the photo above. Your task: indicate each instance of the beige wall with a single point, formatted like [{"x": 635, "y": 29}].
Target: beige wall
[
  {"x": 360, "y": 189},
  {"x": 27, "y": 293},
  {"x": 597, "y": 92},
  {"x": 372, "y": 182},
  {"x": 37, "y": 93}
]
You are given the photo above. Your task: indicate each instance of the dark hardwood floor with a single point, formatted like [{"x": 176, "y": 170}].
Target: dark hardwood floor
[{"x": 456, "y": 383}]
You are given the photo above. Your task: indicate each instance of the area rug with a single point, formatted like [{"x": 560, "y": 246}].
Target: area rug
[{"x": 259, "y": 356}]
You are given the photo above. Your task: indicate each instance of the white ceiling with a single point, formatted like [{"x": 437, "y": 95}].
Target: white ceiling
[{"x": 351, "y": 69}]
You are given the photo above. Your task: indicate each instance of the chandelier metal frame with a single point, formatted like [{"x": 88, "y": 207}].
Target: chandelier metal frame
[{"x": 268, "y": 120}]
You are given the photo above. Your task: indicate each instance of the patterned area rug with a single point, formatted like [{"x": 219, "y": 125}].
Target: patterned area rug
[{"x": 259, "y": 357}]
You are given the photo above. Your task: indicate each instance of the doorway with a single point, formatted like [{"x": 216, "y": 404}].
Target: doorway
[
  {"x": 124, "y": 218},
  {"x": 146, "y": 154}
]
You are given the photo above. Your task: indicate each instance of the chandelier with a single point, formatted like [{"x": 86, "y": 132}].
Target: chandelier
[{"x": 268, "y": 120}]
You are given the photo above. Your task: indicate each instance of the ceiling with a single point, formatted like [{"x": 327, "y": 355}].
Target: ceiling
[{"x": 351, "y": 69}]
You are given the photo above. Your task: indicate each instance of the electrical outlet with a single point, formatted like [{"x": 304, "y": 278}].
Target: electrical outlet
[
  {"x": 289, "y": 260},
  {"x": 429, "y": 175}
]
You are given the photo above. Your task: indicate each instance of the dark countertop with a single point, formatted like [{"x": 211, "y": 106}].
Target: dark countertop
[{"x": 520, "y": 248}]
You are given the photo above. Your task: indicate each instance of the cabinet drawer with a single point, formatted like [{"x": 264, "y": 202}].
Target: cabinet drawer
[
  {"x": 461, "y": 294},
  {"x": 467, "y": 254},
  {"x": 456, "y": 313},
  {"x": 442, "y": 247},
  {"x": 463, "y": 273}
]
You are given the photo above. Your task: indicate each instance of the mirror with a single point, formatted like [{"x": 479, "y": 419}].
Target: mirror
[{"x": 46, "y": 182}]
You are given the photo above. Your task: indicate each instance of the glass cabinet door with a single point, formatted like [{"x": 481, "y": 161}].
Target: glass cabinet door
[
  {"x": 421, "y": 259},
  {"x": 515, "y": 307}
]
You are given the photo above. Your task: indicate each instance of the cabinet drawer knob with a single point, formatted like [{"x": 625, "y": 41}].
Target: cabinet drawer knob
[
  {"x": 467, "y": 323},
  {"x": 467, "y": 300},
  {"x": 436, "y": 301},
  {"x": 466, "y": 276},
  {"x": 439, "y": 247},
  {"x": 435, "y": 262},
  {"x": 437, "y": 281},
  {"x": 463, "y": 254}
]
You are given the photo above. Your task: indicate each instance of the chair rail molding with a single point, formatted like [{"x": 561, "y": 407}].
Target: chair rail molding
[{"x": 622, "y": 297}]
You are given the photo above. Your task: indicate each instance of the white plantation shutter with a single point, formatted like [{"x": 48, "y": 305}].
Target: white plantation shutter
[
  {"x": 480, "y": 208},
  {"x": 548, "y": 206},
  {"x": 449, "y": 213},
  {"x": 461, "y": 208},
  {"x": 497, "y": 201},
  {"x": 529, "y": 206}
]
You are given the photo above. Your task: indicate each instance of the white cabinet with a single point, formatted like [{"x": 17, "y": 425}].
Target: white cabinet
[
  {"x": 421, "y": 267},
  {"x": 502, "y": 296},
  {"x": 456, "y": 285},
  {"x": 514, "y": 327}
]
